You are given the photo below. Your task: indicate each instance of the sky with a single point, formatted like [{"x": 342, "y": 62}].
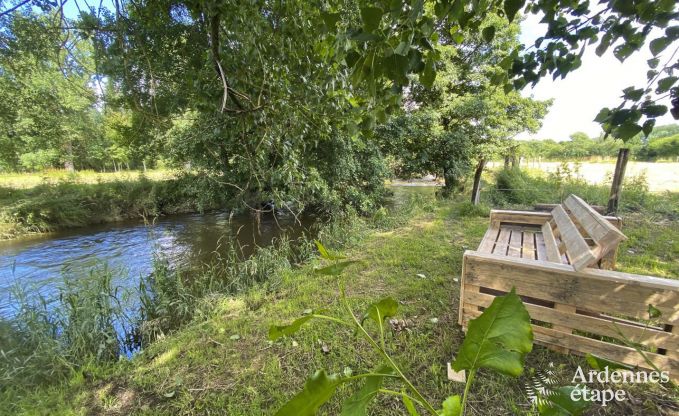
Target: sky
[{"x": 578, "y": 98}]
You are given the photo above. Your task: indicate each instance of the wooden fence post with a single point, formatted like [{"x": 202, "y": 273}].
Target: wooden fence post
[
  {"x": 618, "y": 176},
  {"x": 476, "y": 189}
]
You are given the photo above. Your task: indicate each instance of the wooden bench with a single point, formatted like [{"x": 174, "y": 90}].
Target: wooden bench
[{"x": 560, "y": 263}]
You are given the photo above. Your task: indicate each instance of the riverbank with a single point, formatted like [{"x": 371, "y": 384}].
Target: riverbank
[
  {"x": 222, "y": 363},
  {"x": 93, "y": 199}
]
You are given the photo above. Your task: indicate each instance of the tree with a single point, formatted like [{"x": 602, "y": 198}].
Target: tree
[
  {"x": 465, "y": 119},
  {"x": 49, "y": 108}
]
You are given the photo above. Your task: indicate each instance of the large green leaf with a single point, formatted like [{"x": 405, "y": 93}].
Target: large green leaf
[
  {"x": 279, "y": 331},
  {"x": 357, "y": 404},
  {"x": 560, "y": 403},
  {"x": 499, "y": 339},
  {"x": 379, "y": 311},
  {"x": 452, "y": 406},
  {"x": 318, "y": 389}
]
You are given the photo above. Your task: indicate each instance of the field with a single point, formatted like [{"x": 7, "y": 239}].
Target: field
[
  {"x": 55, "y": 176},
  {"x": 660, "y": 176}
]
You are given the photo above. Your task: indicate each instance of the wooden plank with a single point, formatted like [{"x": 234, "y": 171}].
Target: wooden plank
[
  {"x": 578, "y": 251},
  {"x": 596, "y": 226},
  {"x": 598, "y": 290},
  {"x": 548, "y": 207},
  {"x": 592, "y": 324},
  {"x": 528, "y": 249},
  {"x": 607, "y": 350},
  {"x": 519, "y": 217},
  {"x": 673, "y": 349},
  {"x": 583, "y": 345},
  {"x": 515, "y": 244},
  {"x": 551, "y": 249},
  {"x": 540, "y": 247},
  {"x": 489, "y": 240},
  {"x": 502, "y": 243}
]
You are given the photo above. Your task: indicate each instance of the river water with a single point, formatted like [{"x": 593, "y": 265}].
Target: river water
[{"x": 39, "y": 264}]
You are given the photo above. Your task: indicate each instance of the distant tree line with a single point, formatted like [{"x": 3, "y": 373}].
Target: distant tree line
[{"x": 661, "y": 144}]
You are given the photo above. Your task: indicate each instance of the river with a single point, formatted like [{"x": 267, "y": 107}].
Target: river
[{"x": 40, "y": 263}]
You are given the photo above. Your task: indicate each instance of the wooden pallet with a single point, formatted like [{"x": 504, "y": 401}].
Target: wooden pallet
[{"x": 557, "y": 262}]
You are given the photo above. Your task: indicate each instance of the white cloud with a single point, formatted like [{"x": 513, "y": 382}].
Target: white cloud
[{"x": 579, "y": 97}]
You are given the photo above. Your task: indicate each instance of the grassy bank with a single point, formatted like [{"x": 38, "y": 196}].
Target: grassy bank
[
  {"x": 81, "y": 200},
  {"x": 222, "y": 363}
]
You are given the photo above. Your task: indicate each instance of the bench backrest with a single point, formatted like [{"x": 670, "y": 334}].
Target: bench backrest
[{"x": 585, "y": 236}]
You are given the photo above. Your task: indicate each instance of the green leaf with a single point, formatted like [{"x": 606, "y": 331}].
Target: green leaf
[
  {"x": 560, "y": 403},
  {"x": 318, "y": 389},
  {"x": 512, "y": 7},
  {"x": 325, "y": 253},
  {"x": 499, "y": 339},
  {"x": 653, "y": 63},
  {"x": 653, "y": 312},
  {"x": 452, "y": 406},
  {"x": 379, "y": 311},
  {"x": 665, "y": 84},
  {"x": 600, "y": 364},
  {"x": 647, "y": 128},
  {"x": 335, "y": 269},
  {"x": 371, "y": 17},
  {"x": 402, "y": 48},
  {"x": 330, "y": 19},
  {"x": 410, "y": 407},
  {"x": 428, "y": 76},
  {"x": 279, "y": 331},
  {"x": 658, "y": 45},
  {"x": 626, "y": 130},
  {"x": 630, "y": 93},
  {"x": 357, "y": 404},
  {"x": 654, "y": 110},
  {"x": 488, "y": 33}
]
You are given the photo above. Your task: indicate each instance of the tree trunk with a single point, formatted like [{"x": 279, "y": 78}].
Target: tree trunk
[
  {"x": 476, "y": 189},
  {"x": 143, "y": 162},
  {"x": 507, "y": 162},
  {"x": 616, "y": 186}
]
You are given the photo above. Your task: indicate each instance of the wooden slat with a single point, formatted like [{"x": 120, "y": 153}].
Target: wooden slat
[
  {"x": 594, "y": 223},
  {"x": 604, "y": 349},
  {"x": 515, "y": 244},
  {"x": 578, "y": 251},
  {"x": 673, "y": 351},
  {"x": 519, "y": 217},
  {"x": 528, "y": 250},
  {"x": 592, "y": 324},
  {"x": 603, "y": 291},
  {"x": 557, "y": 340},
  {"x": 540, "y": 247},
  {"x": 551, "y": 249},
  {"x": 502, "y": 243},
  {"x": 489, "y": 239}
]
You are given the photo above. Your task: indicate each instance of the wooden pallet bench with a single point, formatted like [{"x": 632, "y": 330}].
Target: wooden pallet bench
[{"x": 560, "y": 263}]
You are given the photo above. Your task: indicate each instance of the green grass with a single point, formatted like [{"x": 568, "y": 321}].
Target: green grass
[{"x": 223, "y": 363}]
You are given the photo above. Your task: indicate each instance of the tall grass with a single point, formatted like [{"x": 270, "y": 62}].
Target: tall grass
[
  {"x": 519, "y": 188},
  {"x": 68, "y": 203}
]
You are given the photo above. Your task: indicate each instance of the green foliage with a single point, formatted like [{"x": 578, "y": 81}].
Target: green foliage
[
  {"x": 559, "y": 403},
  {"x": 499, "y": 339}
]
